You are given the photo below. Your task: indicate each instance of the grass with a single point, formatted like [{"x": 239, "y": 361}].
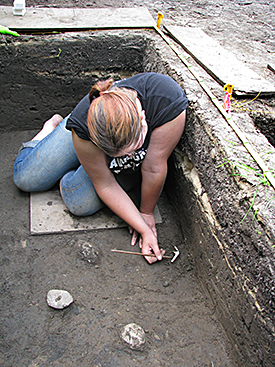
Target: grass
[{"x": 239, "y": 169}]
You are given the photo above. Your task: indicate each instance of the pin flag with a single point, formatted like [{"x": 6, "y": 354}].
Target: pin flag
[
  {"x": 159, "y": 18},
  {"x": 228, "y": 88}
]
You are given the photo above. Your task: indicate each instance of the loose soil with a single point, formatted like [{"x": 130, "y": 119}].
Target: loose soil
[{"x": 110, "y": 290}]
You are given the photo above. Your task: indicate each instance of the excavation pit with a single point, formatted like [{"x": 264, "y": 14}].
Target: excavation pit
[{"x": 223, "y": 246}]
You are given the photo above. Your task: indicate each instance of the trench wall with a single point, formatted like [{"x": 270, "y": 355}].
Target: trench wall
[
  {"x": 42, "y": 75},
  {"x": 45, "y": 75},
  {"x": 234, "y": 256}
]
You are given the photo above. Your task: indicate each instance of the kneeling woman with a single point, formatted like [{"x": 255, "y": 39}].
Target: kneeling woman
[{"x": 119, "y": 135}]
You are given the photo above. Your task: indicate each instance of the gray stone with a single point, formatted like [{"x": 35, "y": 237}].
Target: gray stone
[
  {"x": 59, "y": 299},
  {"x": 133, "y": 335}
]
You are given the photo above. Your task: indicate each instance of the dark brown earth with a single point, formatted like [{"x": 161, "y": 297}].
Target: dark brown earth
[{"x": 110, "y": 291}]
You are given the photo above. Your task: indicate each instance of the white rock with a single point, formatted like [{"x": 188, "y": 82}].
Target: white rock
[
  {"x": 133, "y": 335},
  {"x": 59, "y": 299}
]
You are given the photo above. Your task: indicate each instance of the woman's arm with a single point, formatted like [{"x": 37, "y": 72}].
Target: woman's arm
[
  {"x": 94, "y": 162},
  {"x": 154, "y": 167}
]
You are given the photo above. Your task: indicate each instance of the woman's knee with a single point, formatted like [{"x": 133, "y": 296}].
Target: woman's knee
[
  {"x": 30, "y": 183},
  {"x": 21, "y": 182},
  {"x": 29, "y": 179},
  {"x": 79, "y": 195},
  {"x": 25, "y": 180}
]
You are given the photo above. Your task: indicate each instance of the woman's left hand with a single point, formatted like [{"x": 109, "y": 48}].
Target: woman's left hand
[{"x": 150, "y": 220}]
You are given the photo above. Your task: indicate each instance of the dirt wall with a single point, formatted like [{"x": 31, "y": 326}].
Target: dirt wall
[
  {"x": 43, "y": 75},
  {"x": 232, "y": 242}
]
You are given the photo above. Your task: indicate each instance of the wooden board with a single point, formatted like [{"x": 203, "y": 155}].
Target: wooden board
[
  {"x": 48, "y": 214},
  {"x": 45, "y": 19},
  {"x": 220, "y": 63}
]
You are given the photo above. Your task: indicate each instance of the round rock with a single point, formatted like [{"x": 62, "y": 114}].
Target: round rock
[
  {"x": 59, "y": 299},
  {"x": 133, "y": 335}
]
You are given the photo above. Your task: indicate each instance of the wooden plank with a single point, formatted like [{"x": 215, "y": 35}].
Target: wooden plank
[
  {"x": 48, "y": 214},
  {"x": 40, "y": 19},
  {"x": 220, "y": 63}
]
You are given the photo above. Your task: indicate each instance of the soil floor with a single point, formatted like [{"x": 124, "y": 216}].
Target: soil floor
[
  {"x": 112, "y": 290},
  {"x": 109, "y": 290}
]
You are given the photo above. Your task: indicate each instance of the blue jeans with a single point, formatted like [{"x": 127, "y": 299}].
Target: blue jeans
[{"x": 41, "y": 164}]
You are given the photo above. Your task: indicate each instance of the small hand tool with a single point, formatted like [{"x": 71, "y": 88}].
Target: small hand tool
[{"x": 176, "y": 254}]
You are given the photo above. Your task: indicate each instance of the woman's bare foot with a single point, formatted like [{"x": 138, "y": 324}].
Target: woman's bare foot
[{"x": 48, "y": 127}]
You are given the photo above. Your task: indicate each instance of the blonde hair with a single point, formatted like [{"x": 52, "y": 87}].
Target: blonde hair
[{"x": 113, "y": 117}]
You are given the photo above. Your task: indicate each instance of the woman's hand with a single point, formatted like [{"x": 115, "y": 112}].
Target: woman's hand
[
  {"x": 150, "y": 220},
  {"x": 148, "y": 241},
  {"x": 149, "y": 245}
]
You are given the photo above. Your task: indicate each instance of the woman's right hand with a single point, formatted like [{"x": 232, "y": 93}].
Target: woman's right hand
[{"x": 148, "y": 243}]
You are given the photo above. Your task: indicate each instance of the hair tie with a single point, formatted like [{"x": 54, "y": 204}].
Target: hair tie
[
  {"x": 93, "y": 95},
  {"x": 96, "y": 94}
]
